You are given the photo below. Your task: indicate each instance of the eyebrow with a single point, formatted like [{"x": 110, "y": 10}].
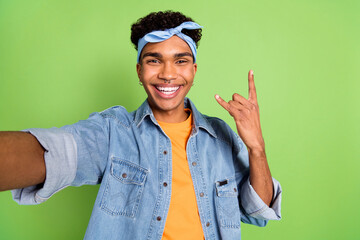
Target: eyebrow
[
  {"x": 152, "y": 54},
  {"x": 184, "y": 54}
]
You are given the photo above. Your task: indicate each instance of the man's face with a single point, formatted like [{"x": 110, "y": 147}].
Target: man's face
[{"x": 164, "y": 62}]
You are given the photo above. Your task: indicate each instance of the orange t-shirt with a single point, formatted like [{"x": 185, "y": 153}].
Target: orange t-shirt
[{"x": 183, "y": 220}]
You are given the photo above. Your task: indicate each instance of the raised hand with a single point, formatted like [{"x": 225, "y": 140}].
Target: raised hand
[
  {"x": 247, "y": 118},
  {"x": 246, "y": 115}
]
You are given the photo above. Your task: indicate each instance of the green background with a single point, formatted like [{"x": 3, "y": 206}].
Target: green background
[{"x": 62, "y": 60}]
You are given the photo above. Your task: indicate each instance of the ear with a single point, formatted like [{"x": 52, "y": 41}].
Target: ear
[
  {"x": 195, "y": 68},
  {"x": 138, "y": 69}
]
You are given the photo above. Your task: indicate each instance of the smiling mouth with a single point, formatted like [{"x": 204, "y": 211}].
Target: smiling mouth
[{"x": 167, "y": 90}]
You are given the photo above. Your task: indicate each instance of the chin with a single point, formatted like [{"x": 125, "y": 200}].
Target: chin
[{"x": 167, "y": 105}]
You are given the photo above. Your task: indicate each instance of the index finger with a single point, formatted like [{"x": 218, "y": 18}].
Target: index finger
[
  {"x": 222, "y": 102},
  {"x": 252, "y": 89}
]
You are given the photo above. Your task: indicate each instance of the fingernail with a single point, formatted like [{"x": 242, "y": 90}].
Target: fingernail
[
  {"x": 251, "y": 72},
  {"x": 217, "y": 96}
]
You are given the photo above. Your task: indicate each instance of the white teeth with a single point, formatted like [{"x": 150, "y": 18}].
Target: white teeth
[{"x": 168, "y": 90}]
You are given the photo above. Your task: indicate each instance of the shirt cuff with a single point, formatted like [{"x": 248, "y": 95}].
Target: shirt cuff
[
  {"x": 60, "y": 161},
  {"x": 255, "y": 207}
]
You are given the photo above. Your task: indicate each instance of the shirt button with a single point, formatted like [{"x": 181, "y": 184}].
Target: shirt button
[
  {"x": 158, "y": 218},
  {"x": 207, "y": 224},
  {"x": 201, "y": 194},
  {"x": 194, "y": 164},
  {"x": 165, "y": 152},
  {"x": 165, "y": 184},
  {"x": 235, "y": 190},
  {"x": 124, "y": 175}
]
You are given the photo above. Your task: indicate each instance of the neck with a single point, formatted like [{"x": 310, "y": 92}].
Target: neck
[{"x": 174, "y": 116}]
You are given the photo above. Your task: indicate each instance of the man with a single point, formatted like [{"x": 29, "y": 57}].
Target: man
[{"x": 166, "y": 171}]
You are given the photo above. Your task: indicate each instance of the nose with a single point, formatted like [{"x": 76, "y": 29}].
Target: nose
[{"x": 168, "y": 72}]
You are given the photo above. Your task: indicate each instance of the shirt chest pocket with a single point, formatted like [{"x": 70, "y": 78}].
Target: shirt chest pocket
[
  {"x": 227, "y": 203},
  {"x": 124, "y": 188}
]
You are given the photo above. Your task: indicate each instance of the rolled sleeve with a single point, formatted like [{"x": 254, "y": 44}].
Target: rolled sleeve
[
  {"x": 255, "y": 207},
  {"x": 61, "y": 163}
]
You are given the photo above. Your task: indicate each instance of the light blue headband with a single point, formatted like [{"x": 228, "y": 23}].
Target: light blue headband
[{"x": 159, "y": 36}]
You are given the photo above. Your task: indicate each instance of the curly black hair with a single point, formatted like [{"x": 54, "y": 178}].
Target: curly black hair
[{"x": 161, "y": 21}]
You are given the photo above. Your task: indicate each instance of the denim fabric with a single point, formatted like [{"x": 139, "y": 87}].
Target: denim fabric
[{"x": 130, "y": 155}]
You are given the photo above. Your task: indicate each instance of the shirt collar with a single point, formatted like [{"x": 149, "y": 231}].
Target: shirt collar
[{"x": 199, "y": 120}]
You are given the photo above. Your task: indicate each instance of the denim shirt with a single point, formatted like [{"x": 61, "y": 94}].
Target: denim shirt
[{"x": 130, "y": 155}]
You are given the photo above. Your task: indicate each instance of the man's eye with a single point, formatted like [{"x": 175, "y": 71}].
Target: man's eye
[
  {"x": 152, "y": 61},
  {"x": 182, "y": 61}
]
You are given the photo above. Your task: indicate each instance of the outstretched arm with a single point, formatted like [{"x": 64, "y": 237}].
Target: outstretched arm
[
  {"x": 22, "y": 161},
  {"x": 247, "y": 118}
]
